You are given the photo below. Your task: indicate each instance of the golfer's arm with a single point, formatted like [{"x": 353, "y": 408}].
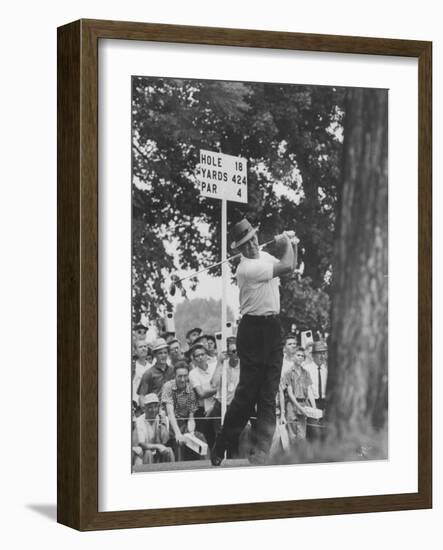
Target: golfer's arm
[
  {"x": 295, "y": 253},
  {"x": 286, "y": 263}
]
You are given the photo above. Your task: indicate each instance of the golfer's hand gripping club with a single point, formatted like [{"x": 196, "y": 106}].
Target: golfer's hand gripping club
[{"x": 289, "y": 234}]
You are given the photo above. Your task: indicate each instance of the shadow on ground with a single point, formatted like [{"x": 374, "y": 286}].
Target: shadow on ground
[{"x": 48, "y": 511}]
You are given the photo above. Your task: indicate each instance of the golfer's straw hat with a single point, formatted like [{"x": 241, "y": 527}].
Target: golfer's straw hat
[{"x": 242, "y": 232}]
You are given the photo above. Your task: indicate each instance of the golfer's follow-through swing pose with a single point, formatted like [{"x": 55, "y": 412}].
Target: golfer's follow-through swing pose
[{"x": 259, "y": 343}]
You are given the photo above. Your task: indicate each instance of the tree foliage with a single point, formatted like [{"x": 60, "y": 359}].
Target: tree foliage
[
  {"x": 199, "y": 312},
  {"x": 291, "y": 136},
  {"x": 304, "y": 305}
]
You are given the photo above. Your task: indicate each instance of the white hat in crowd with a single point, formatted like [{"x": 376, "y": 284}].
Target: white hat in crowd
[
  {"x": 150, "y": 398},
  {"x": 159, "y": 344}
]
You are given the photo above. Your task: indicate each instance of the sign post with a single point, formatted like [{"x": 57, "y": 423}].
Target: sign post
[
  {"x": 223, "y": 177},
  {"x": 225, "y": 281}
]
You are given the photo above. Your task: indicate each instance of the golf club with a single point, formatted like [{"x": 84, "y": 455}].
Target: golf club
[{"x": 176, "y": 282}]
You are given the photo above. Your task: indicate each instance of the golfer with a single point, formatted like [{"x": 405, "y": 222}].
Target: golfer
[{"x": 259, "y": 343}]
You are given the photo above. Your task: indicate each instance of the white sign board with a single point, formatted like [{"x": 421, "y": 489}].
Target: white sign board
[{"x": 222, "y": 176}]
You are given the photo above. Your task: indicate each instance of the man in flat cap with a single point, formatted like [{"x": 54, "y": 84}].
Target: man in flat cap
[{"x": 259, "y": 343}]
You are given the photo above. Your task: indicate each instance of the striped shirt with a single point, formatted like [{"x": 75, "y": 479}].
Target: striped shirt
[{"x": 184, "y": 401}]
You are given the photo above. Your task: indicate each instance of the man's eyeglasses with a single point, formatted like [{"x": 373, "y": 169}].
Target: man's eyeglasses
[{"x": 198, "y": 355}]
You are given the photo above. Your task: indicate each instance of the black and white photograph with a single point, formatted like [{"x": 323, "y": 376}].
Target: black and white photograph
[
  {"x": 218, "y": 225},
  {"x": 259, "y": 274}
]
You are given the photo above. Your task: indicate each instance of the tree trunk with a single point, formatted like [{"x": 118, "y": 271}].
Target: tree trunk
[{"x": 358, "y": 358}]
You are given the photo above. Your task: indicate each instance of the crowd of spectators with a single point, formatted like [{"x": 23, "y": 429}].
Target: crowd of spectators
[{"x": 178, "y": 389}]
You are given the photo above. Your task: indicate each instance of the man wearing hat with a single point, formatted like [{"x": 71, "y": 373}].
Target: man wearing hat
[
  {"x": 192, "y": 335},
  {"x": 259, "y": 343},
  {"x": 140, "y": 331},
  {"x": 318, "y": 370},
  {"x": 153, "y": 431},
  {"x": 153, "y": 379}
]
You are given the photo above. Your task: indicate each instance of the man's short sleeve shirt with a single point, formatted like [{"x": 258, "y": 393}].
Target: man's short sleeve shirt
[
  {"x": 299, "y": 381},
  {"x": 183, "y": 401},
  {"x": 154, "y": 378}
]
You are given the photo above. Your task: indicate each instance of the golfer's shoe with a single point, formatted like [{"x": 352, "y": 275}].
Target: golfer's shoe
[{"x": 217, "y": 455}]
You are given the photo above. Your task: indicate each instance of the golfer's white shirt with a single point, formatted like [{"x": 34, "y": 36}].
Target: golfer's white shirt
[{"x": 259, "y": 292}]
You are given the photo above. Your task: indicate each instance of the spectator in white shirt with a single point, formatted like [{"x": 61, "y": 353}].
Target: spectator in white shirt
[
  {"x": 140, "y": 366},
  {"x": 318, "y": 369}
]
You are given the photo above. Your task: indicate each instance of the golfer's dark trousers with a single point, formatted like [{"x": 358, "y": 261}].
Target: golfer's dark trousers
[{"x": 260, "y": 349}]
